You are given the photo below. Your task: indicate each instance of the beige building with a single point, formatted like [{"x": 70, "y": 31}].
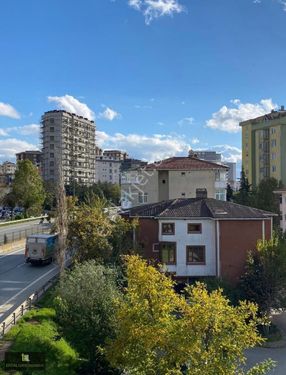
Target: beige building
[
  {"x": 264, "y": 147},
  {"x": 68, "y": 142},
  {"x": 177, "y": 177}
]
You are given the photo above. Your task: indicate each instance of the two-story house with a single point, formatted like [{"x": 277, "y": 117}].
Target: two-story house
[
  {"x": 200, "y": 236},
  {"x": 176, "y": 177}
]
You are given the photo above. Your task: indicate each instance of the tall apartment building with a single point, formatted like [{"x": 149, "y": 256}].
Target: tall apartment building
[
  {"x": 68, "y": 142},
  {"x": 264, "y": 147}
]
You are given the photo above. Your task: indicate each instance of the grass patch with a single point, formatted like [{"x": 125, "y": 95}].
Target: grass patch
[{"x": 37, "y": 331}]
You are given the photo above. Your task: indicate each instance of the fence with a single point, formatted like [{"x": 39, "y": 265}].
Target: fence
[
  {"x": 6, "y": 238},
  {"x": 12, "y": 319}
]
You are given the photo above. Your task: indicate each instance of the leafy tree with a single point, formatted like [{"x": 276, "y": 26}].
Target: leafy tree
[
  {"x": 161, "y": 332},
  {"x": 264, "y": 281},
  {"x": 27, "y": 188},
  {"x": 229, "y": 192},
  {"x": 85, "y": 310},
  {"x": 104, "y": 190},
  {"x": 264, "y": 197},
  {"x": 95, "y": 234},
  {"x": 244, "y": 194}
]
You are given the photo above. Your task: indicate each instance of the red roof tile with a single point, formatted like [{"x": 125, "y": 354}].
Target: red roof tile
[{"x": 184, "y": 163}]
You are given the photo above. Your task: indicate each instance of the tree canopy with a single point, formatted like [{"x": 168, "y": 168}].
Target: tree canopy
[
  {"x": 161, "y": 332},
  {"x": 27, "y": 188}
]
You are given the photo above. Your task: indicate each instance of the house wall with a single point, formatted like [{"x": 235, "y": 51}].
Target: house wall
[
  {"x": 147, "y": 235},
  {"x": 236, "y": 238},
  {"x": 182, "y": 238}
]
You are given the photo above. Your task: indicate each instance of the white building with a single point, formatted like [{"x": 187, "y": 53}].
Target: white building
[{"x": 282, "y": 199}]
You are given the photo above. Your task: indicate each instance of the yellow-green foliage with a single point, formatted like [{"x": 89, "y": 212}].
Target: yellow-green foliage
[{"x": 160, "y": 332}]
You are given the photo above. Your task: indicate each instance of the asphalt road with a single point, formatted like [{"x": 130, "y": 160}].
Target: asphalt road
[
  {"x": 18, "y": 280},
  {"x": 20, "y": 230}
]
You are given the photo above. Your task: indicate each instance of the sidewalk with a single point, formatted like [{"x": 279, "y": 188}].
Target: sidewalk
[{"x": 12, "y": 246}]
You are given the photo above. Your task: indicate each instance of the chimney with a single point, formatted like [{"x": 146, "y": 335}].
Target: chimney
[{"x": 201, "y": 193}]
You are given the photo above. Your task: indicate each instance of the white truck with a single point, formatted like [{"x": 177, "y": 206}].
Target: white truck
[{"x": 41, "y": 248}]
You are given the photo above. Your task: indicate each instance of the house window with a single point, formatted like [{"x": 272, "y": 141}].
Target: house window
[
  {"x": 52, "y": 129},
  {"x": 52, "y": 138},
  {"x": 52, "y": 146},
  {"x": 142, "y": 197},
  {"x": 195, "y": 255},
  {"x": 52, "y": 155},
  {"x": 194, "y": 228},
  {"x": 273, "y": 168},
  {"x": 183, "y": 173},
  {"x": 156, "y": 247},
  {"x": 168, "y": 228},
  {"x": 168, "y": 252}
]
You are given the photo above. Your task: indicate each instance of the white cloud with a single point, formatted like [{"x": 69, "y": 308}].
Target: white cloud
[
  {"x": 152, "y": 9},
  {"x": 32, "y": 129},
  {"x": 227, "y": 118},
  {"x": 109, "y": 114},
  {"x": 283, "y": 3},
  {"x": 186, "y": 121},
  {"x": 229, "y": 153},
  {"x": 9, "y": 147},
  {"x": 73, "y": 105},
  {"x": 195, "y": 141},
  {"x": 3, "y": 133},
  {"x": 150, "y": 148},
  {"x": 8, "y": 111}
]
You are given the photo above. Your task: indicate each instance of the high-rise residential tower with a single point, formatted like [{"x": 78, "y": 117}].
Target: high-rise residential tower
[
  {"x": 264, "y": 147},
  {"x": 68, "y": 143}
]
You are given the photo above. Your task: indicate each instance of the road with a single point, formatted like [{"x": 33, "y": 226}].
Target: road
[
  {"x": 18, "y": 280},
  {"x": 21, "y": 230}
]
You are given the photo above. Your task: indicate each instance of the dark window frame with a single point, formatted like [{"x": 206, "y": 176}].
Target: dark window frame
[
  {"x": 164, "y": 233},
  {"x": 194, "y": 231},
  {"x": 192, "y": 263},
  {"x": 175, "y": 252}
]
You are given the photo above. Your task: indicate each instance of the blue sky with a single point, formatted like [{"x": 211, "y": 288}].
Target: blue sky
[{"x": 158, "y": 76}]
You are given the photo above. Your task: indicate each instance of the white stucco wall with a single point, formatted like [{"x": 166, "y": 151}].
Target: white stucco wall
[{"x": 207, "y": 238}]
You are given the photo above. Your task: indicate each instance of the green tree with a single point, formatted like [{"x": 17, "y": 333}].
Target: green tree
[
  {"x": 244, "y": 194},
  {"x": 264, "y": 197},
  {"x": 103, "y": 190},
  {"x": 85, "y": 306},
  {"x": 229, "y": 193},
  {"x": 264, "y": 281},
  {"x": 161, "y": 332},
  {"x": 27, "y": 188},
  {"x": 95, "y": 234}
]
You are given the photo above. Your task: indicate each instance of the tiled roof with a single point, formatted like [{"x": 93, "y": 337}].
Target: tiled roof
[
  {"x": 184, "y": 163},
  {"x": 198, "y": 208}
]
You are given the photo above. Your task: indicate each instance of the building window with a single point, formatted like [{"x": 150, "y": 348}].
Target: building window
[
  {"x": 217, "y": 175},
  {"x": 273, "y": 142},
  {"x": 168, "y": 252},
  {"x": 194, "y": 228},
  {"x": 51, "y": 163},
  {"x": 183, "y": 194},
  {"x": 273, "y": 156},
  {"x": 156, "y": 247},
  {"x": 163, "y": 181},
  {"x": 52, "y": 172},
  {"x": 52, "y": 146},
  {"x": 183, "y": 173},
  {"x": 142, "y": 197},
  {"x": 52, "y": 138},
  {"x": 52, "y": 155},
  {"x": 273, "y": 168},
  {"x": 220, "y": 195},
  {"x": 168, "y": 228},
  {"x": 52, "y": 120},
  {"x": 195, "y": 255},
  {"x": 52, "y": 129}
]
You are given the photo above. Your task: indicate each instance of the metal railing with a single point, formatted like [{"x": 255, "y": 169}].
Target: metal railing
[
  {"x": 6, "y": 238},
  {"x": 27, "y": 305}
]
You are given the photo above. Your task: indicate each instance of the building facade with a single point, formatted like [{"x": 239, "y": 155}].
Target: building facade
[
  {"x": 173, "y": 178},
  {"x": 200, "y": 237},
  {"x": 264, "y": 147},
  {"x": 68, "y": 146},
  {"x": 107, "y": 167},
  {"x": 34, "y": 156}
]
